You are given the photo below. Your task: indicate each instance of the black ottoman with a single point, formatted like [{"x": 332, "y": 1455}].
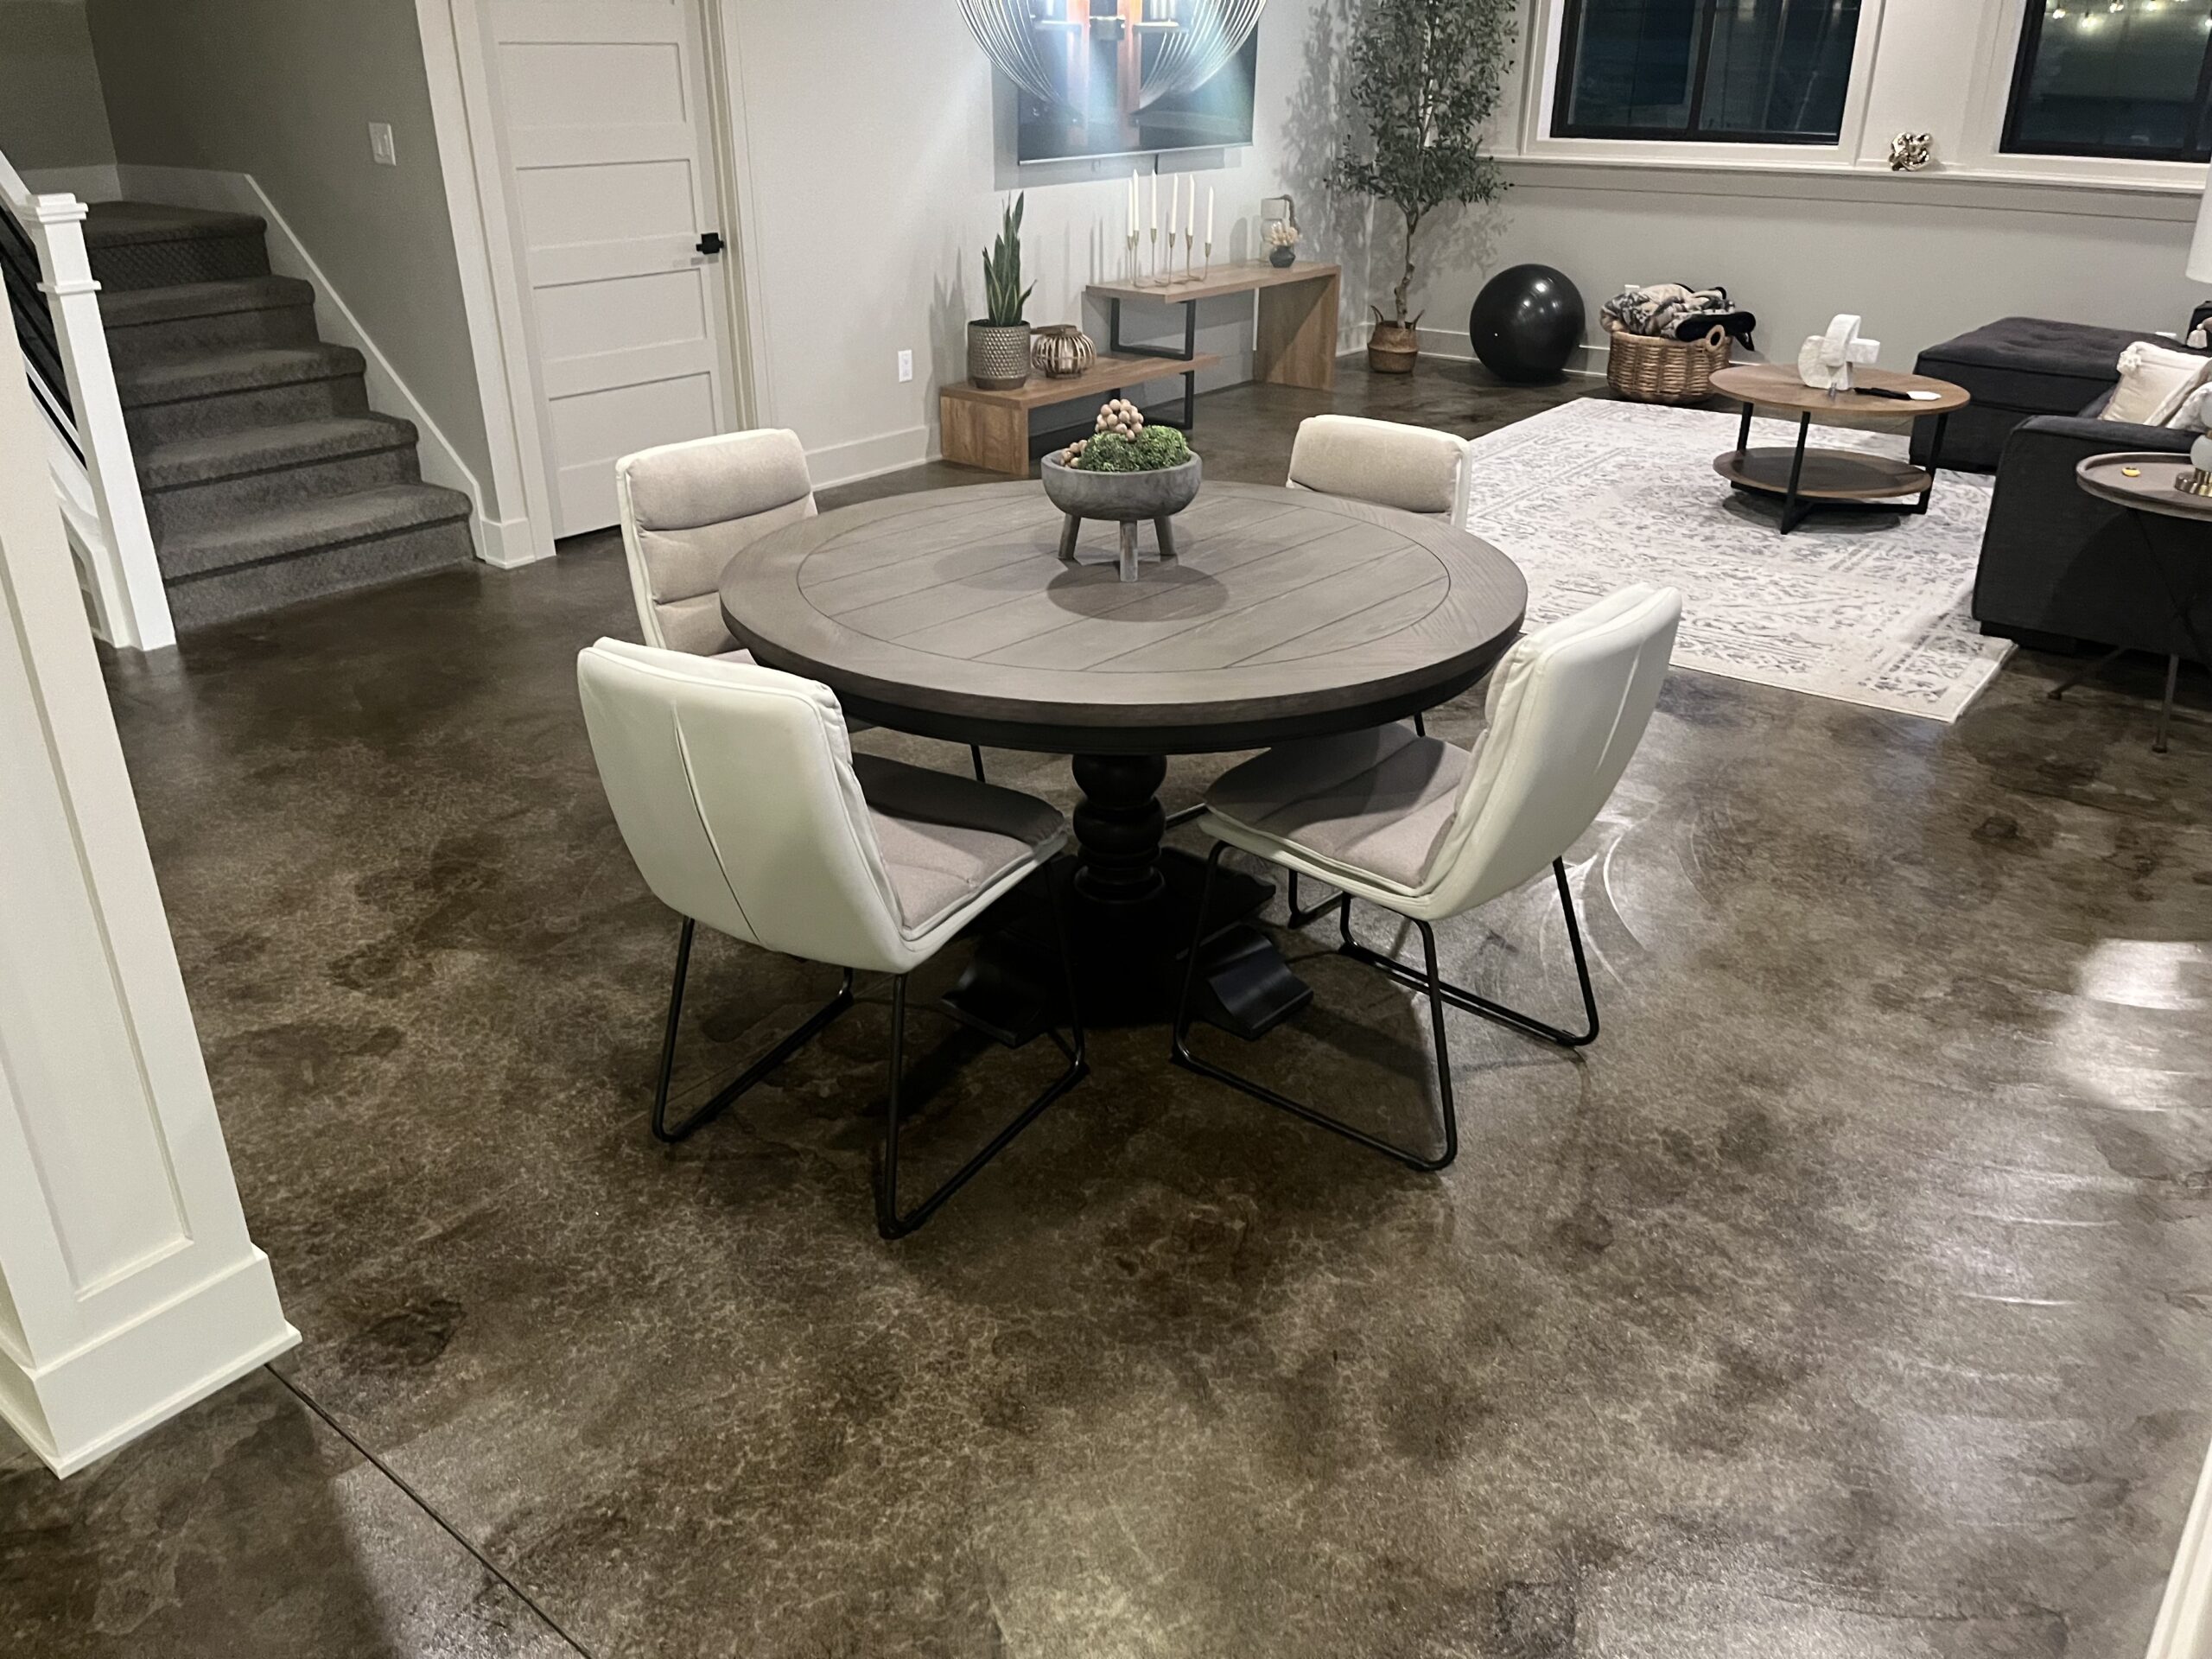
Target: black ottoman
[{"x": 2017, "y": 368}]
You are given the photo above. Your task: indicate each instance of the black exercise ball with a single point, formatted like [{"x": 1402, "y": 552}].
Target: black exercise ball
[{"x": 1526, "y": 323}]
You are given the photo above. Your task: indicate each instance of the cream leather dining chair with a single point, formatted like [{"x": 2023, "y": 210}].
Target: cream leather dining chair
[
  {"x": 1389, "y": 464},
  {"x": 690, "y": 509},
  {"x": 744, "y": 808},
  {"x": 1418, "y": 827}
]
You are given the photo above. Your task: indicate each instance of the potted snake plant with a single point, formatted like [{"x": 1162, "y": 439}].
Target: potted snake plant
[{"x": 998, "y": 343}]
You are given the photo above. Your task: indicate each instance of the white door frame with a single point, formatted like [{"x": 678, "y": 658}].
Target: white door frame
[{"x": 494, "y": 295}]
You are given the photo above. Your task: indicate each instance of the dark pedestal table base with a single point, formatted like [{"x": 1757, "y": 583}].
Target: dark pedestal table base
[{"x": 1132, "y": 905}]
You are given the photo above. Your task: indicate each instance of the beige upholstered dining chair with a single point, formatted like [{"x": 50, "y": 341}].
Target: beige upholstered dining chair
[
  {"x": 1428, "y": 831},
  {"x": 690, "y": 509},
  {"x": 1413, "y": 468},
  {"x": 744, "y": 808},
  {"x": 1387, "y": 463}
]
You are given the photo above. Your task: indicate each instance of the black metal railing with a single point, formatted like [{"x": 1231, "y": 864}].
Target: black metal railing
[{"x": 34, "y": 324}]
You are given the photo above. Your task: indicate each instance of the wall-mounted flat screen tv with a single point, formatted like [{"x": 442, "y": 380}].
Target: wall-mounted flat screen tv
[{"x": 1098, "y": 64}]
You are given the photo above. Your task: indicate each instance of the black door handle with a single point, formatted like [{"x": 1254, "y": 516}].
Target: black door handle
[{"x": 711, "y": 244}]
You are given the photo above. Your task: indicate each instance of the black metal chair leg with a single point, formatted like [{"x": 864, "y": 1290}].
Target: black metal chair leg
[
  {"x": 1420, "y": 726},
  {"x": 761, "y": 1068},
  {"x": 976, "y": 754},
  {"x": 1460, "y": 998},
  {"x": 1301, "y": 920},
  {"x": 1183, "y": 1056},
  {"x": 889, "y": 1221}
]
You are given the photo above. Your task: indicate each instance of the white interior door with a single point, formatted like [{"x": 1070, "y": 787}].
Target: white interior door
[{"x": 604, "y": 118}]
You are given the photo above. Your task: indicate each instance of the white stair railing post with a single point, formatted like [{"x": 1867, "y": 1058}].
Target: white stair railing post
[{"x": 137, "y": 605}]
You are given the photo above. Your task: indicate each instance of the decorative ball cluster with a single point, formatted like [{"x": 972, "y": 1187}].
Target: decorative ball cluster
[
  {"x": 1069, "y": 456},
  {"x": 1120, "y": 414}
]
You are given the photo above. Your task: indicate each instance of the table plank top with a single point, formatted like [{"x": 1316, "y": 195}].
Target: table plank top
[
  {"x": 2151, "y": 489},
  {"x": 1288, "y": 614},
  {"x": 1777, "y": 385},
  {"x": 1242, "y": 277}
]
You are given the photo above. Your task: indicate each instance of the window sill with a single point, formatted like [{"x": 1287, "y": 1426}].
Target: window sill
[{"x": 2146, "y": 190}]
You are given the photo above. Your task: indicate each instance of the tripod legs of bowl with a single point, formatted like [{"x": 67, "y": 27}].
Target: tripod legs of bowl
[
  {"x": 1127, "y": 498},
  {"x": 1163, "y": 529}
]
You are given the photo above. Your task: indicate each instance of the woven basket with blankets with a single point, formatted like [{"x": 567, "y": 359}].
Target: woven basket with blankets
[{"x": 1666, "y": 340}]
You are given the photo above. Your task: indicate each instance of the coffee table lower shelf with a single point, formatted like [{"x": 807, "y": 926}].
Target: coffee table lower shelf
[{"x": 1826, "y": 478}]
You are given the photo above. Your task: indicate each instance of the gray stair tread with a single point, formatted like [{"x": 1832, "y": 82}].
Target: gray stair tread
[
  {"x": 206, "y": 377},
  {"x": 119, "y": 224},
  {"x": 310, "y": 526},
  {"x": 183, "y": 461},
  {"x": 131, "y": 306}
]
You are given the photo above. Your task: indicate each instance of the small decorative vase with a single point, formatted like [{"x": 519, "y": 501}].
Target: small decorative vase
[
  {"x": 1062, "y": 351},
  {"x": 1282, "y": 258},
  {"x": 1394, "y": 347},
  {"x": 998, "y": 355}
]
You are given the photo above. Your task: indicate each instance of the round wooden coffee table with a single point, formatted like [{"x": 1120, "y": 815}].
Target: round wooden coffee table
[
  {"x": 1810, "y": 478},
  {"x": 1286, "y": 614}
]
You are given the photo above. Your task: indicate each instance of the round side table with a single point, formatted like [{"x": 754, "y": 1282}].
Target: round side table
[{"x": 2176, "y": 528}]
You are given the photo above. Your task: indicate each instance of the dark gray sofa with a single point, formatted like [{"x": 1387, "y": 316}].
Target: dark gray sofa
[
  {"x": 2018, "y": 368},
  {"x": 2059, "y": 568}
]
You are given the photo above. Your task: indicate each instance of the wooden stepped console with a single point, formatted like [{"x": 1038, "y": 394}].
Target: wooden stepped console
[{"x": 991, "y": 428}]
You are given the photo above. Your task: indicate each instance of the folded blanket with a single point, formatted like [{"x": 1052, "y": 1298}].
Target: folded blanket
[{"x": 1672, "y": 311}]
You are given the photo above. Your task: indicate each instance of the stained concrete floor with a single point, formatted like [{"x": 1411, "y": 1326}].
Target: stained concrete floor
[{"x": 1853, "y": 1296}]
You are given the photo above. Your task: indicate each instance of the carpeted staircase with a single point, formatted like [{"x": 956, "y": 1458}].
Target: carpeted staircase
[{"x": 267, "y": 477}]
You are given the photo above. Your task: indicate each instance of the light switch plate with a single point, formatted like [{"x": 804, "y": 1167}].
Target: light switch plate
[
  {"x": 381, "y": 150},
  {"x": 905, "y": 365}
]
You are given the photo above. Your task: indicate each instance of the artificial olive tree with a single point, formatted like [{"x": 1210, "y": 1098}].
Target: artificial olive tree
[{"x": 1426, "y": 74}]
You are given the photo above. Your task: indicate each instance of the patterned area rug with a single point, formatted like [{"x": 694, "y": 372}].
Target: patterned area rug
[{"x": 1866, "y": 607}]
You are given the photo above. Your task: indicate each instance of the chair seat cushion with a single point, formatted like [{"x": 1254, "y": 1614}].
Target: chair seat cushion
[
  {"x": 1377, "y": 802},
  {"x": 945, "y": 839}
]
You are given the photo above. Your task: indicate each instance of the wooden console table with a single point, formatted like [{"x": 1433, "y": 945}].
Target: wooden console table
[
  {"x": 991, "y": 428},
  {"x": 1296, "y": 341}
]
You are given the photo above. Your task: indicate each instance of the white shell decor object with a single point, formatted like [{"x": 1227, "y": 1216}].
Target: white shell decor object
[
  {"x": 1910, "y": 151},
  {"x": 1825, "y": 362},
  {"x": 1120, "y": 414}
]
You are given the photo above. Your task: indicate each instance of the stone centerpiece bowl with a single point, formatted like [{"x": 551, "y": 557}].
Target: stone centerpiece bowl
[{"x": 1125, "y": 498}]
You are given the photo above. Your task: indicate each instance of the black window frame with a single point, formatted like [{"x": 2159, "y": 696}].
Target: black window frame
[
  {"x": 2193, "y": 152},
  {"x": 1570, "y": 41}
]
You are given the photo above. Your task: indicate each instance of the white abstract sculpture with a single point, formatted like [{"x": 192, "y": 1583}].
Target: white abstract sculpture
[{"x": 1825, "y": 361}]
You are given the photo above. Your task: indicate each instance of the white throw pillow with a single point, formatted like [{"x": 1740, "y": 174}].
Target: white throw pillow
[
  {"x": 2154, "y": 382},
  {"x": 2195, "y": 414}
]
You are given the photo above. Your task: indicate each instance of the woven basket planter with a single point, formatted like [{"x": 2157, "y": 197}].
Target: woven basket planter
[{"x": 1652, "y": 369}]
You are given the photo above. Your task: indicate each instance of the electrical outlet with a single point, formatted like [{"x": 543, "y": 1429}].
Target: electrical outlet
[
  {"x": 905, "y": 365},
  {"x": 381, "y": 150}
]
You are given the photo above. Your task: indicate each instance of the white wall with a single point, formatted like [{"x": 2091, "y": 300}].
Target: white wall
[
  {"x": 52, "y": 113},
  {"x": 1798, "y": 235},
  {"x": 876, "y": 168}
]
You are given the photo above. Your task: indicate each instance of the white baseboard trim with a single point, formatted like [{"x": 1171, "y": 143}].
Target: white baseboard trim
[
  {"x": 886, "y": 452},
  {"x": 101, "y": 182},
  {"x": 2184, "y": 1626},
  {"x": 1450, "y": 346},
  {"x": 78, "y": 1408},
  {"x": 241, "y": 193},
  {"x": 507, "y": 542}
]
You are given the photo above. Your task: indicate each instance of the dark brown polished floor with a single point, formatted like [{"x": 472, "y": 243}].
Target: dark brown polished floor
[{"x": 1853, "y": 1296}]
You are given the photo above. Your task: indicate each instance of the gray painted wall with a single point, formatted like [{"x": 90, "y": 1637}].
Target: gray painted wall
[
  {"x": 284, "y": 90},
  {"x": 52, "y": 112}
]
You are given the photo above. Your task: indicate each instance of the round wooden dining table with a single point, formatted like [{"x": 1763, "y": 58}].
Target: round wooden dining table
[{"x": 1286, "y": 614}]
